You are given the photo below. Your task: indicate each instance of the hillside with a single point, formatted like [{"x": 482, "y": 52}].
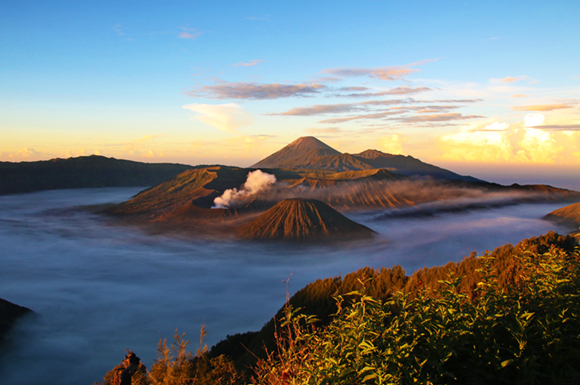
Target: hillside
[
  {"x": 82, "y": 172},
  {"x": 309, "y": 153},
  {"x": 318, "y": 298},
  {"x": 509, "y": 316},
  {"x": 9, "y": 314},
  {"x": 569, "y": 214},
  {"x": 301, "y": 220},
  {"x": 301, "y": 150}
]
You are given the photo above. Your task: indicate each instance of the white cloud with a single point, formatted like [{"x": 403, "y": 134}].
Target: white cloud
[
  {"x": 226, "y": 117},
  {"x": 533, "y": 120}
]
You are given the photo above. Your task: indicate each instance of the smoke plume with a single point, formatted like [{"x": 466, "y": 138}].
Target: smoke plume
[{"x": 256, "y": 182}]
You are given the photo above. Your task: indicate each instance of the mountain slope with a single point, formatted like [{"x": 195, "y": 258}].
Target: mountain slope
[
  {"x": 198, "y": 186},
  {"x": 570, "y": 214},
  {"x": 302, "y": 219},
  {"x": 301, "y": 150},
  {"x": 82, "y": 172},
  {"x": 309, "y": 153}
]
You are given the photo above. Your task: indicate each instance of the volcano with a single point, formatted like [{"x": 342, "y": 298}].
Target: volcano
[
  {"x": 301, "y": 151},
  {"x": 303, "y": 220},
  {"x": 309, "y": 153}
]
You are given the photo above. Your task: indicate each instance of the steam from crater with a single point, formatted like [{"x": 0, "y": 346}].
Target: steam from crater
[{"x": 256, "y": 183}]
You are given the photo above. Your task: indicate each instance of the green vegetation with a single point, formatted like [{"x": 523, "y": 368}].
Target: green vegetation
[{"x": 510, "y": 316}]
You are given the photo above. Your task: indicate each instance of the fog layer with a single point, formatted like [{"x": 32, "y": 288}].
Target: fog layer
[{"x": 99, "y": 289}]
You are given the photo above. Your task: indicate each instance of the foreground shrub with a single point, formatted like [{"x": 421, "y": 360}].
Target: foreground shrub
[{"x": 524, "y": 333}]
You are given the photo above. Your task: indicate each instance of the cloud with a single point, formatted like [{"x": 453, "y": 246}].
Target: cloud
[
  {"x": 243, "y": 90},
  {"x": 561, "y": 127},
  {"x": 542, "y": 107},
  {"x": 519, "y": 96},
  {"x": 383, "y": 73},
  {"x": 133, "y": 146},
  {"x": 477, "y": 146},
  {"x": 190, "y": 33},
  {"x": 498, "y": 143},
  {"x": 509, "y": 79},
  {"x": 379, "y": 115},
  {"x": 250, "y": 64},
  {"x": 532, "y": 120},
  {"x": 324, "y": 131},
  {"x": 538, "y": 147},
  {"x": 23, "y": 153},
  {"x": 226, "y": 117},
  {"x": 350, "y": 89},
  {"x": 119, "y": 29},
  {"x": 394, "y": 91},
  {"x": 438, "y": 117},
  {"x": 392, "y": 144},
  {"x": 319, "y": 109}
]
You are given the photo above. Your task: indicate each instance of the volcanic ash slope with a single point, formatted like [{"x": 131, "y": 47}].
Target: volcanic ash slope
[
  {"x": 303, "y": 220},
  {"x": 569, "y": 214}
]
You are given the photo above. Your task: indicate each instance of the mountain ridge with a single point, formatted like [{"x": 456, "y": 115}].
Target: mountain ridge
[
  {"x": 309, "y": 153},
  {"x": 82, "y": 172}
]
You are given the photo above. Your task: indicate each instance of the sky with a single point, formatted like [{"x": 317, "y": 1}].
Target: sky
[{"x": 488, "y": 88}]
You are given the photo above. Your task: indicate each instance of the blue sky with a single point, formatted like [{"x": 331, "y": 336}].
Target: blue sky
[{"x": 478, "y": 87}]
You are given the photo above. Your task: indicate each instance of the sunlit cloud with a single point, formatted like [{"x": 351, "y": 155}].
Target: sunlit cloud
[
  {"x": 384, "y": 73},
  {"x": 378, "y": 115},
  {"x": 154, "y": 154},
  {"x": 519, "y": 96},
  {"x": 243, "y": 90},
  {"x": 394, "y": 91},
  {"x": 438, "y": 117},
  {"x": 539, "y": 146},
  {"x": 561, "y": 127},
  {"x": 319, "y": 109},
  {"x": 132, "y": 148},
  {"x": 226, "y": 117},
  {"x": 477, "y": 146},
  {"x": 250, "y": 64},
  {"x": 392, "y": 144},
  {"x": 22, "y": 154},
  {"x": 532, "y": 120},
  {"x": 508, "y": 79},
  {"x": 500, "y": 142},
  {"x": 542, "y": 107},
  {"x": 324, "y": 131}
]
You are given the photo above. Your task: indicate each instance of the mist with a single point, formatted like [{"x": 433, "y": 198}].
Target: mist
[
  {"x": 99, "y": 288},
  {"x": 257, "y": 182}
]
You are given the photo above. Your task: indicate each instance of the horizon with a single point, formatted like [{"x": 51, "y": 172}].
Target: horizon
[{"x": 225, "y": 83}]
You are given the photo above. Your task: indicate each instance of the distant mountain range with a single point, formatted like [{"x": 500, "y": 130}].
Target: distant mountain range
[
  {"x": 82, "y": 172},
  {"x": 309, "y": 153}
]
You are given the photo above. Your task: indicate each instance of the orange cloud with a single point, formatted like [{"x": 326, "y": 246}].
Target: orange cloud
[
  {"x": 439, "y": 117},
  {"x": 542, "y": 107},
  {"x": 519, "y": 96}
]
